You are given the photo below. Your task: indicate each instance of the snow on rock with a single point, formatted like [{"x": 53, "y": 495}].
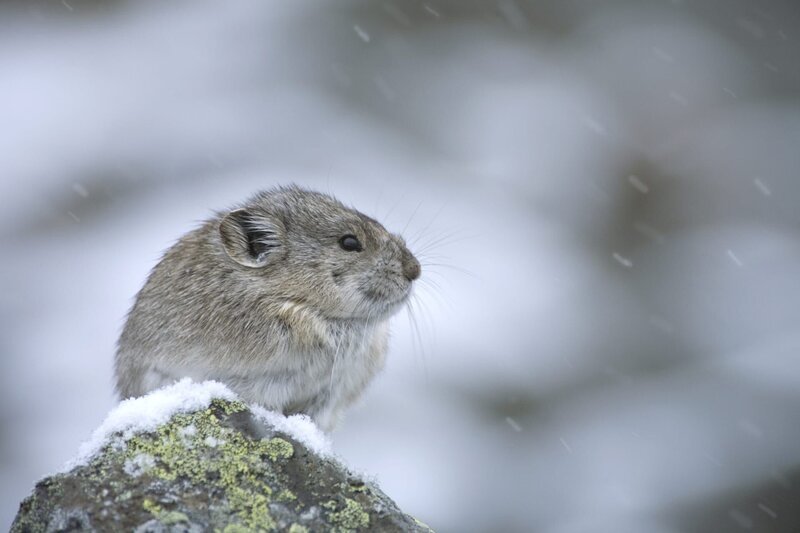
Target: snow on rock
[
  {"x": 146, "y": 413},
  {"x": 192, "y": 457},
  {"x": 301, "y": 427}
]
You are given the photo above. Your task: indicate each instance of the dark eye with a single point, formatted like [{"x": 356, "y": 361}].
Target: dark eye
[{"x": 350, "y": 243}]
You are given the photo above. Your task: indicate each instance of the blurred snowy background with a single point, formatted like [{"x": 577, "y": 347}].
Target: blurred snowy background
[{"x": 605, "y": 196}]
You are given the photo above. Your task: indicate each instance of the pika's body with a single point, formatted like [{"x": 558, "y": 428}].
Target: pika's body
[{"x": 285, "y": 299}]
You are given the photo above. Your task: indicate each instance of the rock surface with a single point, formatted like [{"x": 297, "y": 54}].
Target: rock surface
[{"x": 215, "y": 469}]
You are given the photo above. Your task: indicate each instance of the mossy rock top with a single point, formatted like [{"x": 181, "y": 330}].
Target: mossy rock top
[{"x": 219, "y": 469}]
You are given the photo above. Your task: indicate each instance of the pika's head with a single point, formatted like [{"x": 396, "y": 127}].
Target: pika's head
[{"x": 309, "y": 248}]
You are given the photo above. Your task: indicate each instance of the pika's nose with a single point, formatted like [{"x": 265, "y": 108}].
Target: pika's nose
[{"x": 411, "y": 268}]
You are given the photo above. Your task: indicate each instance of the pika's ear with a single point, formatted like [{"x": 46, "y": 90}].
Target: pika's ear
[{"x": 252, "y": 240}]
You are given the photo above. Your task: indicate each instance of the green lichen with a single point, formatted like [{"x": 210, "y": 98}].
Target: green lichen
[
  {"x": 209, "y": 470},
  {"x": 173, "y": 517},
  {"x": 167, "y": 518},
  {"x": 278, "y": 448},
  {"x": 28, "y": 522},
  {"x": 360, "y": 487},
  {"x": 350, "y": 518},
  {"x": 151, "y": 507},
  {"x": 286, "y": 496},
  {"x": 233, "y": 462},
  {"x": 330, "y": 504},
  {"x": 236, "y": 528},
  {"x": 228, "y": 407}
]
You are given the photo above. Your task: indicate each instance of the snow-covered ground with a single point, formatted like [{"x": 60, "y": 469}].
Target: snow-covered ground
[{"x": 604, "y": 200}]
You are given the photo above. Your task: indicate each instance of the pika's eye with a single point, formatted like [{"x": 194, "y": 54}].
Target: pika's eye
[{"x": 350, "y": 243}]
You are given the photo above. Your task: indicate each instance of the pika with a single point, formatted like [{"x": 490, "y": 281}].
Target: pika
[{"x": 285, "y": 298}]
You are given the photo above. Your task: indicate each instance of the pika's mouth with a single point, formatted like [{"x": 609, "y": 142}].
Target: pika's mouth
[{"x": 388, "y": 298}]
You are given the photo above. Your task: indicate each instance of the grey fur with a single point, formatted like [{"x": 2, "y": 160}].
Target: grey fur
[{"x": 264, "y": 299}]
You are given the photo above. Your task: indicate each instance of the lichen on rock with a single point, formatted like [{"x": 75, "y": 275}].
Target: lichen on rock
[
  {"x": 352, "y": 517},
  {"x": 218, "y": 468}
]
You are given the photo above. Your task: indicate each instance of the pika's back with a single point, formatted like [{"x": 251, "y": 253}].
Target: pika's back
[{"x": 275, "y": 288}]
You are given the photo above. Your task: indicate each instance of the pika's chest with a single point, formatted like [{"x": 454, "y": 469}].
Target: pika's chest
[
  {"x": 346, "y": 362},
  {"x": 309, "y": 379}
]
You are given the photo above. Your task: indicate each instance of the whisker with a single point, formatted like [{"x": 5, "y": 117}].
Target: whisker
[
  {"x": 427, "y": 272},
  {"x": 442, "y": 240},
  {"x": 394, "y": 206},
  {"x": 428, "y": 255},
  {"x": 434, "y": 261},
  {"x": 436, "y": 293},
  {"x": 453, "y": 267},
  {"x": 417, "y": 343},
  {"x": 427, "y": 318},
  {"x": 413, "y": 214},
  {"x": 423, "y": 230},
  {"x": 433, "y": 283},
  {"x": 378, "y": 199}
]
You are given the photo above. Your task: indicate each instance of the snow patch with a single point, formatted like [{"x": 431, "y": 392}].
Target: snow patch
[
  {"x": 300, "y": 427},
  {"x": 139, "y": 464},
  {"x": 146, "y": 413},
  {"x": 213, "y": 442}
]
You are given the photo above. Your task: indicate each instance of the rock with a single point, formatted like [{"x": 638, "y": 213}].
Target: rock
[{"x": 220, "y": 468}]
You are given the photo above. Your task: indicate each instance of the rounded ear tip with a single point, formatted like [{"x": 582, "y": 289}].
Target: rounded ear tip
[{"x": 248, "y": 239}]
